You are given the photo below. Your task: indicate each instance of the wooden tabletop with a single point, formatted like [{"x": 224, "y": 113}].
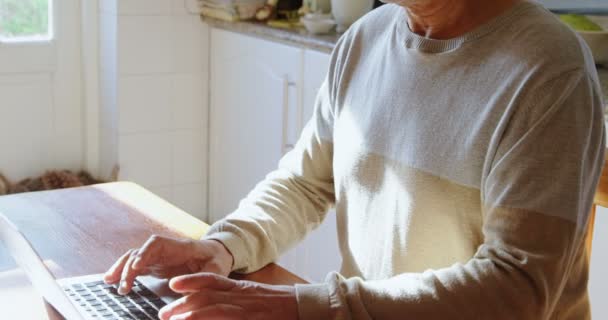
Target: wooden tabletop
[{"x": 82, "y": 231}]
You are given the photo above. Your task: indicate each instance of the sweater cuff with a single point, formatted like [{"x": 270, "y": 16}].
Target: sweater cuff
[
  {"x": 313, "y": 301},
  {"x": 235, "y": 245}
]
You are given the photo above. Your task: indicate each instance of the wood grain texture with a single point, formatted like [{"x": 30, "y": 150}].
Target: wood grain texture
[{"x": 84, "y": 230}]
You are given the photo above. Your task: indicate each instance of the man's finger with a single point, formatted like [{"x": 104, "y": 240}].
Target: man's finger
[
  {"x": 128, "y": 274},
  {"x": 191, "y": 302},
  {"x": 215, "y": 312},
  {"x": 113, "y": 274},
  {"x": 198, "y": 281},
  {"x": 148, "y": 252}
]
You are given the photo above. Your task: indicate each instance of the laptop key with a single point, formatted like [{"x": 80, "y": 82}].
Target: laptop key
[
  {"x": 147, "y": 293},
  {"x": 93, "y": 284},
  {"x": 112, "y": 291},
  {"x": 139, "y": 300},
  {"x": 138, "y": 314},
  {"x": 150, "y": 310},
  {"x": 154, "y": 316},
  {"x": 158, "y": 303},
  {"x": 121, "y": 313},
  {"x": 128, "y": 305}
]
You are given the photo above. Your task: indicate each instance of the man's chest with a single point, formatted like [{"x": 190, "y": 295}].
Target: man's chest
[{"x": 428, "y": 124}]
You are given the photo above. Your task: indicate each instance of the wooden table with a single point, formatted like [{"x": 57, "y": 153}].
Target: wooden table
[{"x": 84, "y": 230}]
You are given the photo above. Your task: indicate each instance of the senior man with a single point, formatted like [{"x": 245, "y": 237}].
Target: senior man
[{"x": 461, "y": 143}]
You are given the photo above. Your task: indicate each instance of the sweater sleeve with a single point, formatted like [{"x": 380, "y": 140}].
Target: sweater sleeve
[
  {"x": 290, "y": 202},
  {"x": 537, "y": 191}
]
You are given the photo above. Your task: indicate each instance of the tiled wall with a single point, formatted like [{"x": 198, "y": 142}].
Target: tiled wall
[{"x": 161, "y": 98}]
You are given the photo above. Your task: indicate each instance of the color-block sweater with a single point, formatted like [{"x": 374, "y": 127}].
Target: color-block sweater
[{"x": 461, "y": 171}]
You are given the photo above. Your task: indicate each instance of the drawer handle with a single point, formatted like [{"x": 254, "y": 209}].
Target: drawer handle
[{"x": 287, "y": 145}]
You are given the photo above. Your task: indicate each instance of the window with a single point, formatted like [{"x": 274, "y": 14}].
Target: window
[{"x": 25, "y": 20}]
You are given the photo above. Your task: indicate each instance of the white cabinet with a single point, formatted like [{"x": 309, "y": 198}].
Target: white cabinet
[
  {"x": 318, "y": 254},
  {"x": 262, "y": 94},
  {"x": 253, "y": 114}
]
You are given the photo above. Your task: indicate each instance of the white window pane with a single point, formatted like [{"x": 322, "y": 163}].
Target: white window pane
[{"x": 25, "y": 20}]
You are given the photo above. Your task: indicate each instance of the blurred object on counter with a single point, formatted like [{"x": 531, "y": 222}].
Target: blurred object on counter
[
  {"x": 284, "y": 24},
  {"x": 346, "y": 12},
  {"x": 230, "y": 10},
  {"x": 279, "y": 9},
  {"x": 318, "y": 23},
  {"x": 268, "y": 11},
  {"x": 579, "y": 22},
  {"x": 289, "y": 5},
  {"x": 316, "y": 6},
  {"x": 220, "y": 14},
  {"x": 594, "y": 30}
]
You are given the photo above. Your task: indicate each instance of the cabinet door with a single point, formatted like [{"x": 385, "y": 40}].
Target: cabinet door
[
  {"x": 253, "y": 114},
  {"x": 318, "y": 254}
]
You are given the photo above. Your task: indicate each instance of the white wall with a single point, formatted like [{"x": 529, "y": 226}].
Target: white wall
[{"x": 154, "y": 120}]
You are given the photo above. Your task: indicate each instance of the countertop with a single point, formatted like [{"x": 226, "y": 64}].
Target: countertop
[{"x": 298, "y": 36}]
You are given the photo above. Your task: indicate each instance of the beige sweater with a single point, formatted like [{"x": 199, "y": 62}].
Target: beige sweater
[{"x": 462, "y": 172}]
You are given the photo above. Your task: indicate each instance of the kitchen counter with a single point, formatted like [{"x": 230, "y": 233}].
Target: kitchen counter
[{"x": 296, "y": 36}]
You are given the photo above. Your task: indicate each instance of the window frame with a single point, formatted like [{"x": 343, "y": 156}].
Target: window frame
[
  {"x": 33, "y": 55},
  {"x": 49, "y": 38}
]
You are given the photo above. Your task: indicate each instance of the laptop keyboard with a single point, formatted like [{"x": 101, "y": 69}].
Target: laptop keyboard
[{"x": 102, "y": 301}]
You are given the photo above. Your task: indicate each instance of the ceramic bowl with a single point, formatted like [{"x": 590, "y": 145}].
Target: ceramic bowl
[{"x": 318, "y": 24}]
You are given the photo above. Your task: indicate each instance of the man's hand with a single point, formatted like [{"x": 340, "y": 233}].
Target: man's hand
[
  {"x": 167, "y": 258},
  {"x": 209, "y": 296}
]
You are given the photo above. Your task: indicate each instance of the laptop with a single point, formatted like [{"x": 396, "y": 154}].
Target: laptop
[{"x": 86, "y": 297}]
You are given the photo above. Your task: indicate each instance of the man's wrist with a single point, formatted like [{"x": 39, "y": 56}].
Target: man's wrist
[
  {"x": 222, "y": 252},
  {"x": 235, "y": 246}
]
